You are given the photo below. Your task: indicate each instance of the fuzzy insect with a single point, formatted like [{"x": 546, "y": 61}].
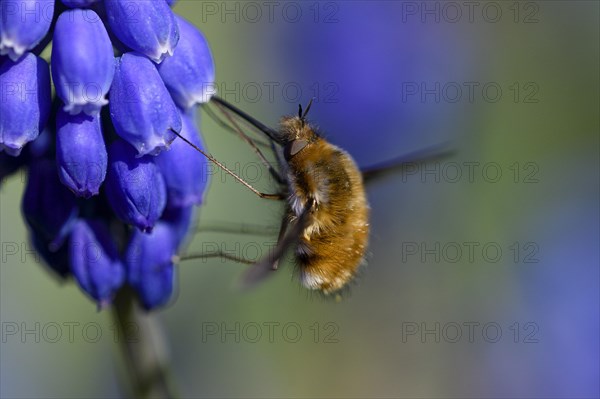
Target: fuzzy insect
[
  {"x": 327, "y": 213},
  {"x": 324, "y": 182}
]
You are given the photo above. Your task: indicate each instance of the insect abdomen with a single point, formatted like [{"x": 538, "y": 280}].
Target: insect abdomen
[{"x": 333, "y": 244}]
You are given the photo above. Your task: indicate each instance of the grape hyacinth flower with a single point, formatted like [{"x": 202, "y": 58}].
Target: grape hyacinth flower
[
  {"x": 80, "y": 153},
  {"x": 148, "y": 27},
  {"x": 135, "y": 187},
  {"x": 184, "y": 172},
  {"x": 79, "y": 3},
  {"x": 80, "y": 84},
  {"x": 95, "y": 261},
  {"x": 48, "y": 206},
  {"x": 190, "y": 73},
  {"x": 23, "y": 25},
  {"x": 149, "y": 263},
  {"x": 181, "y": 220},
  {"x": 141, "y": 108},
  {"x": 24, "y": 101},
  {"x": 117, "y": 217}
]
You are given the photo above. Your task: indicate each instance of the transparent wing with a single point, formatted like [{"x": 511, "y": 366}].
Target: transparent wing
[
  {"x": 287, "y": 237},
  {"x": 428, "y": 154}
]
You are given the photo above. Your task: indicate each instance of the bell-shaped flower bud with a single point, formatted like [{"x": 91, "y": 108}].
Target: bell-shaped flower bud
[
  {"x": 149, "y": 264},
  {"x": 181, "y": 220},
  {"x": 95, "y": 261},
  {"x": 80, "y": 153},
  {"x": 146, "y": 26},
  {"x": 57, "y": 259},
  {"x": 190, "y": 73},
  {"x": 38, "y": 148},
  {"x": 23, "y": 24},
  {"x": 185, "y": 170},
  {"x": 24, "y": 102},
  {"x": 141, "y": 108},
  {"x": 83, "y": 64},
  {"x": 79, "y": 3},
  {"x": 42, "y": 146},
  {"x": 48, "y": 206},
  {"x": 134, "y": 186}
]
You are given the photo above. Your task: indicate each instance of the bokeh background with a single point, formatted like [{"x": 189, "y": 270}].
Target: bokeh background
[{"x": 527, "y": 316}]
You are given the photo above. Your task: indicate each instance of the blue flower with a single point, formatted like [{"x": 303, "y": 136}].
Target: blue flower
[
  {"x": 49, "y": 208},
  {"x": 80, "y": 153},
  {"x": 95, "y": 261},
  {"x": 141, "y": 108},
  {"x": 190, "y": 73},
  {"x": 181, "y": 222},
  {"x": 149, "y": 264},
  {"x": 57, "y": 259},
  {"x": 83, "y": 64},
  {"x": 79, "y": 3},
  {"x": 185, "y": 171},
  {"x": 42, "y": 146},
  {"x": 38, "y": 148},
  {"x": 134, "y": 186},
  {"x": 68, "y": 158},
  {"x": 24, "y": 102},
  {"x": 145, "y": 26},
  {"x": 23, "y": 24}
]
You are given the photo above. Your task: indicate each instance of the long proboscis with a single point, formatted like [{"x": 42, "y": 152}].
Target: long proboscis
[{"x": 271, "y": 133}]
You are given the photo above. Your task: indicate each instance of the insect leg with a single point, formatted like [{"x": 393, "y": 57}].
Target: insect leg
[
  {"x": 272, "y": 134},
  {"x": 241, "y": 228},
  {"x": 277, "y": 154},
  {"x": 251, "y": 143},
  {"x": 259, "y": 271},
  {"x": 227, "y": 127},
  {"x": 228, "y": 171},
  {"x": 282, "y": 230},
  {"x": 208, "y": 255},
  {"x": 231, "y": 228}
]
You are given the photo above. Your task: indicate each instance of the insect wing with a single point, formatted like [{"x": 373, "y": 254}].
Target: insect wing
[{"x": 261, "y": 270}]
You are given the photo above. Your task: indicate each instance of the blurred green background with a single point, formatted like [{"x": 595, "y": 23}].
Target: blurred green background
[{"x": 527, "y": 316}]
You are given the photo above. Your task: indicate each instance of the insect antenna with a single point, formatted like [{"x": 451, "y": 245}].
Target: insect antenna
[{"x": 302, "y": 115}]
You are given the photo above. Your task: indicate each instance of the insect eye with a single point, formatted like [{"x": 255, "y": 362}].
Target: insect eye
[{"x": 293, "y": 147}]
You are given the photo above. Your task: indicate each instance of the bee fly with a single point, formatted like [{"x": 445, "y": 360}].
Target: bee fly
[{"x": 327, "y": 213}]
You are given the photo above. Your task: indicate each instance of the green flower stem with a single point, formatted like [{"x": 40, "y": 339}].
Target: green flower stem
[{"x": 143, "y": 348}]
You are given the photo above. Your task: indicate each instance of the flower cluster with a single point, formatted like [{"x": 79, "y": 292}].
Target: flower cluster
[{"x": 110, "y": 192}]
